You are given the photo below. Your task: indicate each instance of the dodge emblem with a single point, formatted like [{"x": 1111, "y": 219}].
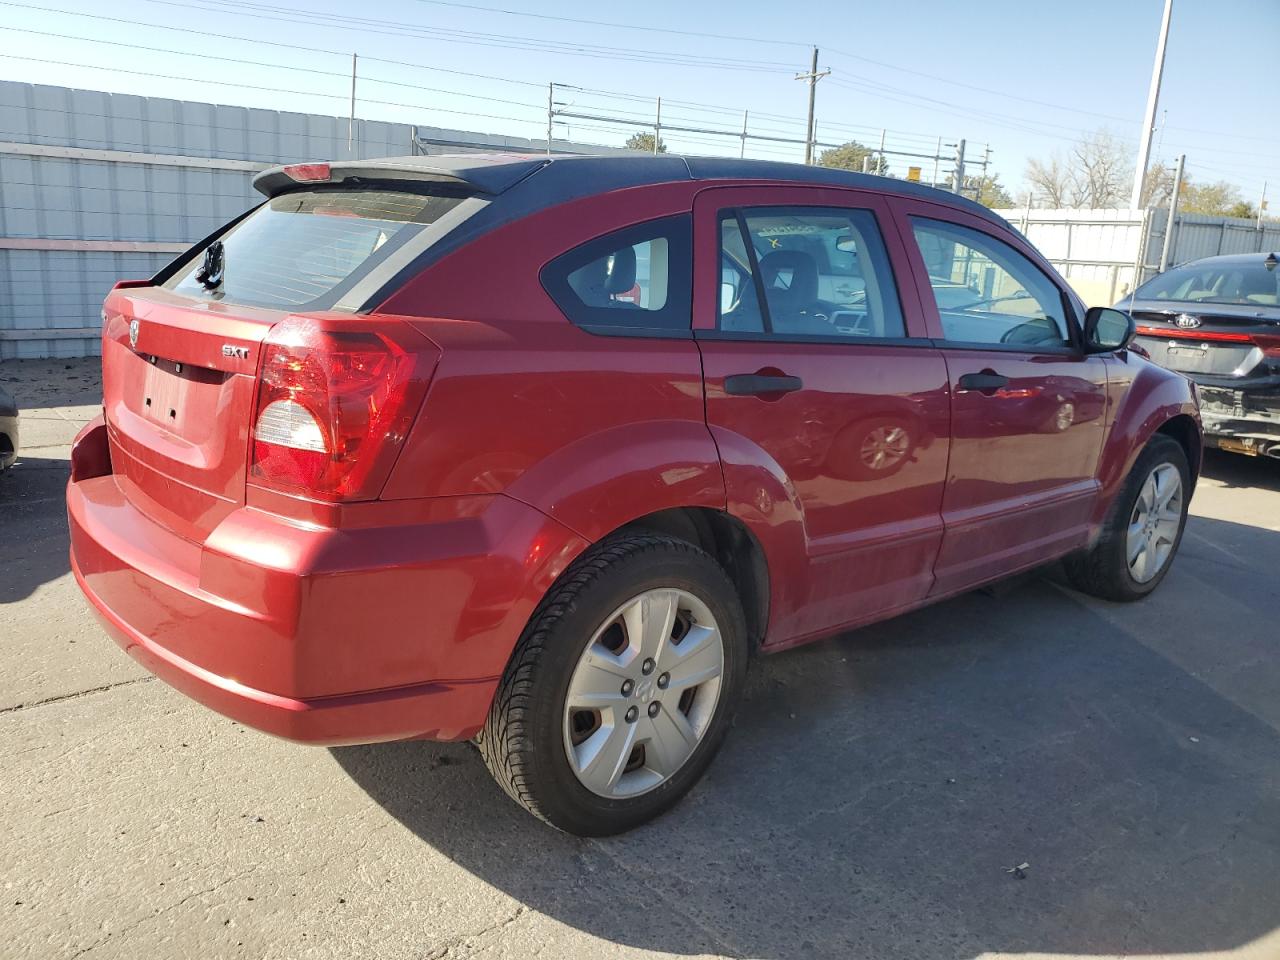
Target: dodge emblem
[
  {"x": 133, "y": 333},
  {"x": 1186, "y": 321}
]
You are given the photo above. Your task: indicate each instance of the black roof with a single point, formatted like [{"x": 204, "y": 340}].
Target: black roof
[{"x": 547, "y": 180}]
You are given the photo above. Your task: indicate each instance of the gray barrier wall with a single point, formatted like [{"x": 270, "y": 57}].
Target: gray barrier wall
[{"x": 97, "y": 187}]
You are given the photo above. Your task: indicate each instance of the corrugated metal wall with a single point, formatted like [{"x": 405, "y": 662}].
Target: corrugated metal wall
[
  {"x": 96, "y": 187},
  {"x": 1196, "y": 235},
  {"x": 1100, "y": 252}
]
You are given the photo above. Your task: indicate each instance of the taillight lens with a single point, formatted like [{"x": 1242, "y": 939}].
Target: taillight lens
[
  {"x": 308, "y": 172},
  {"x": 336, "y": 400}
]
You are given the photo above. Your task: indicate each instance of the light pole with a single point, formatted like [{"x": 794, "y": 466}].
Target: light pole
[{"x": 1153, "y": 100}]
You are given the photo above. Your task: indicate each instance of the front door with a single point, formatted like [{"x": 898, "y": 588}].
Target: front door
[
  {"x": 1027, "y": 405},
  {"x": 829, "y": 407}
]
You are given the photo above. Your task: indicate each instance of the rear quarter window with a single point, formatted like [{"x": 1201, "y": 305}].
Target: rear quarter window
[
  {"x": 636, "y": 280},
  {"x": 305, "y": 249}
]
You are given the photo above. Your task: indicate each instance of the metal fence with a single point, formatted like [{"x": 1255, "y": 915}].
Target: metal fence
[
  {"x": 95, "y": 187},
  {"x": 1104, "y": 254}
]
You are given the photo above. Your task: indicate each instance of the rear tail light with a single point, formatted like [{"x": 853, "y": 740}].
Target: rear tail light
[
  {"x": 336, "y": 400},
  {"x": 308, "y": 172},
  {"x": 1176, "y": 333}
]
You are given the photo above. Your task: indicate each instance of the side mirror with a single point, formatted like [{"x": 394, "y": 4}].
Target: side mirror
[{"x": 1106, "y": 330}]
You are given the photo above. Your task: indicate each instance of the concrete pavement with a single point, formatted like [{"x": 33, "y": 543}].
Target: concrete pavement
[{"x": 874, "y": 794}]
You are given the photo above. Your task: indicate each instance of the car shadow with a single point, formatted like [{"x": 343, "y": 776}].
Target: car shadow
[
  {"x": 880, "y": 791},
  {"x": 1238, "y": 470},
  {"x": 33, "y": 526}
]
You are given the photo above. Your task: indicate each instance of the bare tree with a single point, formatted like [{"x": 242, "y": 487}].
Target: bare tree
[
  {"x": 1102, "y": 170},
  {"x": 1157, "y": 187},
  {"x": 1093, "y": 173},
  {"x": 1050, "y": 182}
]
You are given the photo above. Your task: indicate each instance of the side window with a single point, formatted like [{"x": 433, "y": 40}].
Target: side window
[
  {"x": 987, "y": 292},
  {"x": 820, "y": 271},
  {"x": 636, "y": 278}
]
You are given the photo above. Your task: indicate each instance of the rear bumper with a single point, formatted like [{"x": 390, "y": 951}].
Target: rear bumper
[
  {"x": 8, "y": 435},
  {"x": 444, "y": 711},
  {"x": 1248, "y": 420},
  {"x": 322, "y": 635}
]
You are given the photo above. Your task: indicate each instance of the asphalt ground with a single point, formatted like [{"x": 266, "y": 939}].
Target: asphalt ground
[{"x": 872, "y": 801}]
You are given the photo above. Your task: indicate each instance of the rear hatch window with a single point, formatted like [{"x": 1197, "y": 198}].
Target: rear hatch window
[
  {"x": 180, "y": 360},
  {"x": 303, "y": 250}
]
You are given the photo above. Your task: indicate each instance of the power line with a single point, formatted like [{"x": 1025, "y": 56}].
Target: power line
[
  {"x": 622, "y": 26},
  {"x": 348, "y": 24},
  {"x": 252, "y": 86},
  {"x": 276, "y": 66},
  {"x": 205, "y": 34}
]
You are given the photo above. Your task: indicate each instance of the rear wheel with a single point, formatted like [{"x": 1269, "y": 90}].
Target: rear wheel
[
  {"x": 1143, "y": 530},
  {"x": 621, "y": 689}
]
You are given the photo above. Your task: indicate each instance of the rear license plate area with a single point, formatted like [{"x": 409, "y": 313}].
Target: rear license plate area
[
  {"x": 1195, "y": 359},
  {"x": 162, "y": 392}
]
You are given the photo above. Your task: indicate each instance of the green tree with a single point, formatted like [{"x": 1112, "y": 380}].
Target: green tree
[
  {"x": 1214, "y": 199},
  {"x": 988, "y": 191},
  {"x": 644, "y": 142},
  {"x": 850, "y": 156},
  {"x": 1243, "y": 209}
]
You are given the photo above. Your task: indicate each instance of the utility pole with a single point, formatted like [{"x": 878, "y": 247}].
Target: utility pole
[
  {"x": 351, "y": 122},
  {"x": 982, "y": 178},
  {"x": 551, "y": 94},
  {"x": 742, "y": 152},
  {"x": 813, "y": 76},
  {"x": 657, "y": 128},
  {"x": 1153, "y": 101},
  {"x": 958, "y": 185},
  {"x": 1173, "y": 212},
  {"x": 1262, "y": 205}
]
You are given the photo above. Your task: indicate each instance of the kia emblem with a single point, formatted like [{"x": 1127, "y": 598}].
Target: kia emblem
[
  {"x": 1186, "y": 321},
  {"x": 133, "y": 333}
]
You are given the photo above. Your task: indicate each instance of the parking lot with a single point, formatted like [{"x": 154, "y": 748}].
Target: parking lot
[{"x": 874, "y": 800}]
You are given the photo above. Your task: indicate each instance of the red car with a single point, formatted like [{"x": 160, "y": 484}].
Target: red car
[{"x": 541, "y": 451}]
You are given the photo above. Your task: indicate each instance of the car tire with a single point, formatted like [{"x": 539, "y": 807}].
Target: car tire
[
  {"x": 531, "y": 732},
  {"x": 1105, "y": 570}
]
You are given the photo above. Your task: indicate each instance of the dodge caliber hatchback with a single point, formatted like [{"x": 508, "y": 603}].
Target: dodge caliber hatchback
[
  {"x": 1217, "y": 321},
  {"x": 541, "y": 452}
]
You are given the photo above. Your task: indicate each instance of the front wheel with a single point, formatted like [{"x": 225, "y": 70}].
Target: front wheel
[
  {"x": 1143, "y": 529},
  {"x": 621, "y": 688}
]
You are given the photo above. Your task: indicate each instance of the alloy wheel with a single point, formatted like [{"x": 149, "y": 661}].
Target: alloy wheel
[{"x": 1154, "y": 523}]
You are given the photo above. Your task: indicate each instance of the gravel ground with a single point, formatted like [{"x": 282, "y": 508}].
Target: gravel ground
[{"x": 875, "y": 794}]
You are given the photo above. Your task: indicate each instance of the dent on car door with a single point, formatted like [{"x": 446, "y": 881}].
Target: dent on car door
[
  {"x": 828, "y": 405},
  {"x": 1028, "y": 405}
]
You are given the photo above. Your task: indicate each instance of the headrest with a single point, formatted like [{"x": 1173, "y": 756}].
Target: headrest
[
  {"x": 622, "y": 274},
  {"x": 798, "y": 283}
]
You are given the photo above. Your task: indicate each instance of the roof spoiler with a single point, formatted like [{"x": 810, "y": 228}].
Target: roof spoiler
[{"x": 485, "y": 173}]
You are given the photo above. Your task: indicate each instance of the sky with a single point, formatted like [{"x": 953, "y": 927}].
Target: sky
[{"x": 1021, "y": 77}]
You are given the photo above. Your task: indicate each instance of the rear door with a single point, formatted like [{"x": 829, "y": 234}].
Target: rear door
[
  {"x": 828, "y": 405},
  {"x": 1027, "y": 404}
]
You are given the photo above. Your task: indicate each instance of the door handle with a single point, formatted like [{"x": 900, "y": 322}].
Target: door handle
[
  {"x": 987, "y": 380},
  {"x": 753, "y": 384}
]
